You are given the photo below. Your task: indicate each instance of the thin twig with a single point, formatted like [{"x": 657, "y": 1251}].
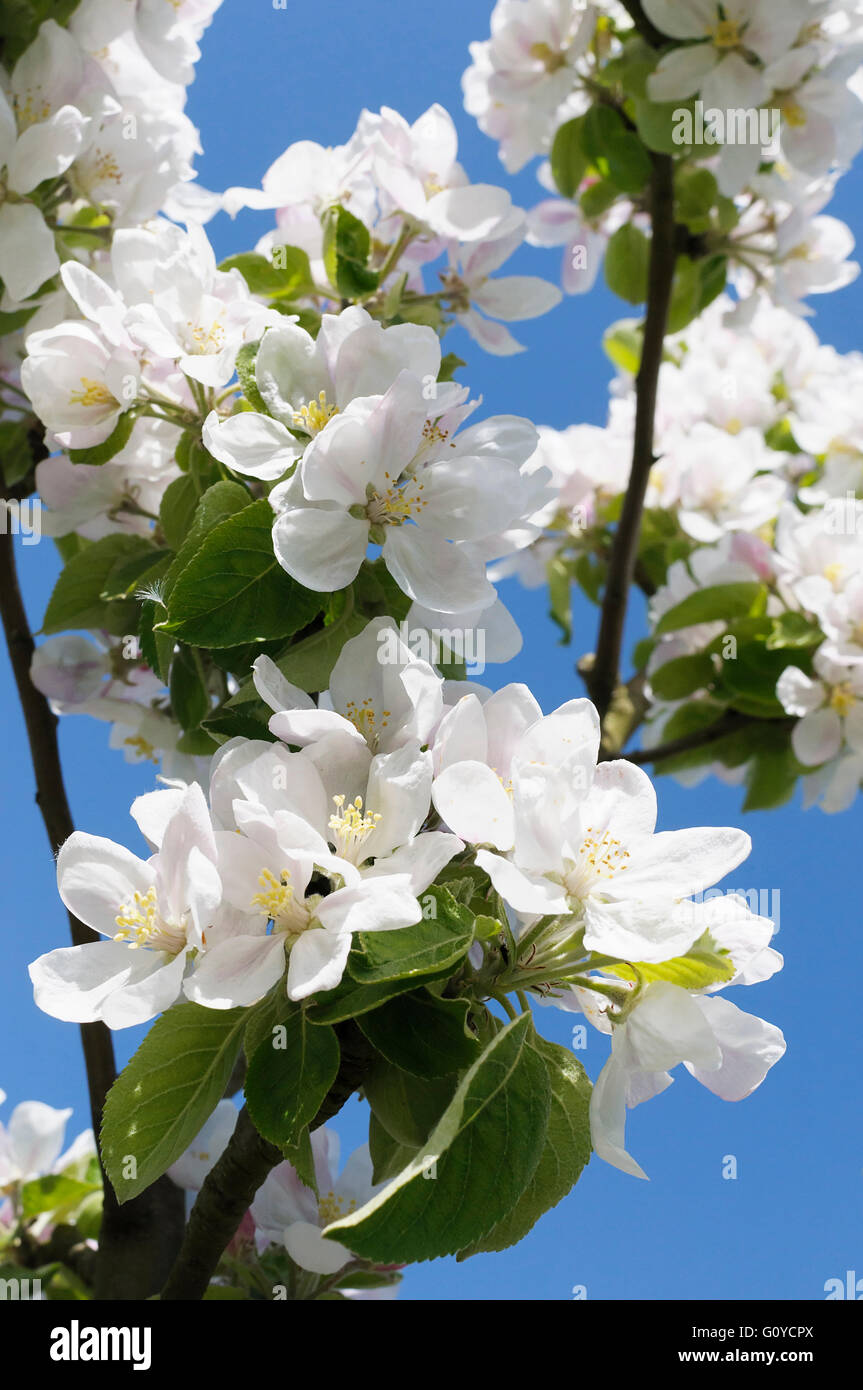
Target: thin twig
[
  {"x": 138, "y": 1241},
  {"x": 230, "y": 1186},
  {"x": 729, "y": 723},
  {"x": 603, "y": 675}
]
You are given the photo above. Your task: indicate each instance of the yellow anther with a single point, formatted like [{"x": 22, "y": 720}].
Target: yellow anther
[
  {"x": 842, "y": 699},
  {"x": 92, "y": 393},
  {"x": 142, "y": 747},
  {"x": 315, "y": 415},
  {"x": 277, "y": 895},
  {"x": 727, "y": 34},
  {"x": 351, "y": 826},
  {"x": 141, "y": 925}
]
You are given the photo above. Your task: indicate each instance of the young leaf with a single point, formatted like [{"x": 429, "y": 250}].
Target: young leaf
[
  {"x": 565, "y": 1154},
  {"x": 422, "y": 1034},
  {"x": 626, "y": 264},
  {"x": 76, "y": 601},
  {"x": 430, "y": 945},
  {"x": 167, "y": 1091},
  {"x": 288, "y": 1077},
  {"x": 234, "y": 590},
  {"x": 480, "y": 1157}
]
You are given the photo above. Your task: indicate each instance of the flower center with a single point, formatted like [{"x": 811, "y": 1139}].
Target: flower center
[
  {"x": 315, "y": 415},
  {"x": 552, "y": 60},
  {"x": 364, "y": 720},
  {"x": 141, "y": 925},
  {"x": 351, "y": 827},
  {"x": 206, "y": 341},
  {"x": 842, "y": 699},
  {"x": 140, "y": 746},
  {"x": 278, "y": 900},
  {"x": 332, "y": 1207},
  {"x": 727, "y": 34},
  {"x": 833, "y": 573},
  {"x": 92, "y": 393},
  {"x": 400, "y": 503}
]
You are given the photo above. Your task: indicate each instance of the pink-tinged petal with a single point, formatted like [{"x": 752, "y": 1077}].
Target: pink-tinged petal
[
  {"x": 681, "y": 72},
  {"x": 307, "y": 1248},
  {"x": 422, "y": 860},
  {"x": 493, "y": 337},
  {"x": 238, "y": 972},
  {"x": 435, "y": 572},
  {"x": 78, "y": 983},
  {"x": 317, "y": 962},
  {"x": 622, "y": 800},
  {"x": 471, "y": 800},
  {"x": 251, "y": 444},
  {"x": 515, "y": 297},
  {"x": 749, "y": 1047},
  {"x": 608, "y": 1119},
  {"x": 817, "y": 737},
  {"x": 676, "y": 863},
  {"x": 28, "y": 256},
  {"x": 470, "y": 213},
  {"x": 275, "y": 690},
  {"x": 154, "y": 986},
  {"x": 381, "y": 904},
  {"x": 321, "y": 548},
  {"x": 36, "y": 1135},
  {"x": 527, "y": 893},
  {"x": 95, "y": 878}
]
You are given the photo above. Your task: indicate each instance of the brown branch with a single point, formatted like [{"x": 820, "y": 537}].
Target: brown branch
[
  {"x": 645, "y": 27},
  {"x": 729, "y": 723},
  {"x": 138, "y": 1241},
  {"x": 603, "y": 675},
  {"x": 230, "y": 1186}
]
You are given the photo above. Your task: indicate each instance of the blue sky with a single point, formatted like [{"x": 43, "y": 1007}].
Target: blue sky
[{"x": 791, "y": 1219}]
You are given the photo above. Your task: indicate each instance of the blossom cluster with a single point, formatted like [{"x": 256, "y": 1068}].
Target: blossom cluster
[
  {"x": 759, "y": 464},
  {"x": 297, "y": 853},
  {"x": 799, "y": 68}
]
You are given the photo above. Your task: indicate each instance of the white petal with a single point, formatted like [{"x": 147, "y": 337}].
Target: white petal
[
  {"x": 251, "y": 444},
  {"x": 321, "y": 549},
  {"x": 471, "y": 800},
  {"x": 28, "y": 256},
  {"x": 238, "y": 972},
  {"x": 307, "y": 1248}
]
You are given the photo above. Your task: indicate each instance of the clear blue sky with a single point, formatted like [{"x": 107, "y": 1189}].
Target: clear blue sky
[{"x": 791, "y": 1220}]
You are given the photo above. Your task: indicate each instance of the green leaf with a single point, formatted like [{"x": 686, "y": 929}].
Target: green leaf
[
  {"x": 289, "y": 1076},
  {"x": 287, "y": 273},
  {"x": 117, "y": 440},
  {"x": 659, "y": 121},
  {"x": 218, "y": 503},
  {"x": 704, "y": 964},
  {"x": 190, "y": 702},
  {"x": 430, "y": 945},
  {"x": 794, "y": 630},
  {"x": 772, "y": 777},
  {"x": 54, "y": 1193},
  {"x": 165, "y": 1094},
  {"x": 408, "y": 1107},
  {"x": 597, "y": 198},
  {"x": 179, "y": 504},
  {"x": 377, "y": 594},
  {"x": 686, "y": 291},
  {"x": 76, "y": 600},
  {"x": 560, "y": 595},
  {"x": 16, "y": 455},
  {"x": 696, "y": 192},
  {"x": 568, "y": 157},
  {"x": 623, "y": 343},
  {"x": 614, "y": 151},
  {"x": 349, "y": 1000},
  {"x": 485, "y": 1150},
  {"x": 132, "y": 572},
  {"x": 347, "y": 243},
  {"x": 388, "y": 1156},
  {"x": 720, "y": 601},
  {"x": 422, "y": 1034},
  {"x": 245, "y": 368},
  {"x": 449, "y": 365},
  {"x": 308, "y": 664},
  {"x": 234, "y": 590},
  {"x": 748, "y": 680},
  {"x": 157, "y": 648},
  {"x": 683, "y": 676},
  {"x": 627, "y": 260},
  {"x": 565, "y": 1154}
]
